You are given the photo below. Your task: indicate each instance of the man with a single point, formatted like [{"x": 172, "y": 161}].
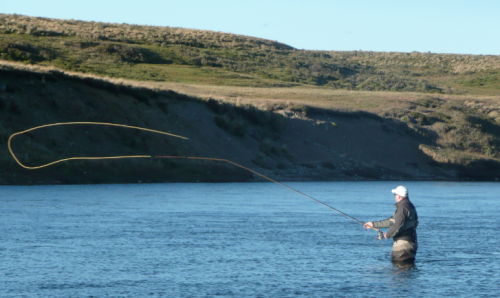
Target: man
[{"x": 402, "y": 227}]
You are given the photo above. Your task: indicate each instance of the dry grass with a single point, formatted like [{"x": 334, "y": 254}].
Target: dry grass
[
  {"x": 378, "y": 101},
  {"x": 20, "y": 24},
  {"x": 457, "y": 63}
]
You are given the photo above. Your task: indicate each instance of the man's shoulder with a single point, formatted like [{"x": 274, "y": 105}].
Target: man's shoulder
[{"x": 406, "y": 203}]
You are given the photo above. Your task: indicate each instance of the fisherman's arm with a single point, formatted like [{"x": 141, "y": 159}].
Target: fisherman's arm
[{"x": 378, "y": 224}]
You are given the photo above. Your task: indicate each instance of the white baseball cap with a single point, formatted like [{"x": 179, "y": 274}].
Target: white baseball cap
[{"x": 400, "y": 190}]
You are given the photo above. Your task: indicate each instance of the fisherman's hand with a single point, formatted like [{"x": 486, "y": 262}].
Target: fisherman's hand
[
  {"x": 368, "y": 225},
  {"x": 385, "y": 236}
]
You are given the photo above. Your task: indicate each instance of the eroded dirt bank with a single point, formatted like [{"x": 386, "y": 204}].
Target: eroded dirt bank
[{"x": 281, "y": 143}]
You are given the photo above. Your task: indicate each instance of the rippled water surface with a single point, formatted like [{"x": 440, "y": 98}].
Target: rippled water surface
[{"x": 244, "y": 240}]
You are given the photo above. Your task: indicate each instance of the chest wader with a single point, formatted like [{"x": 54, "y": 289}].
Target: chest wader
[{"x": 405, "y": 247}]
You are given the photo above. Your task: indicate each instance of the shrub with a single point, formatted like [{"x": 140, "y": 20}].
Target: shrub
[
  {"x": 89, "y": 44},
  {"x": 137, "y": 94},
  {"x": 429, "y": 102},
  {"x": 252, "y": 114},
  {"x": 301, "y": 109},
  {"x": 267, "y": 148},
  {"x": 23, "y": 51},
  {"x": 482, "y": 81},
  {"x": 232, "y": 126},
  {"x": 421, "y": 118},
  {"x": 122, "y": 52},
  {"x": 221, "y": 107},
  {"x": 485, "y": 125},
  {"x": 443, "y": 117},
  {"x": 214, "y": 105}
]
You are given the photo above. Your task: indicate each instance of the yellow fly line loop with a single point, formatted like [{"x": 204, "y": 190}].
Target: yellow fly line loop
[{"x": 84, "y": 158}]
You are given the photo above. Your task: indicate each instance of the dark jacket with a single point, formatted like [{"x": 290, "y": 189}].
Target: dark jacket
[{"x": 403, "y": 223}]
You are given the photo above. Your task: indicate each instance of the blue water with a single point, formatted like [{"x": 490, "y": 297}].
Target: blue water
[{"x": 244, "y": 240}]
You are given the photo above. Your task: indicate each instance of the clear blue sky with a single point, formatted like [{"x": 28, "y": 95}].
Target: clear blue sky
[{"x": 446, "y": 26}]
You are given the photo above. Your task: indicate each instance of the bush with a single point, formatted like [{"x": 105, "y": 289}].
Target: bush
[
  {"x": 485, "y": 125},
  {"x": 421, "y": 118},
  {"x": 232, "y": 126},
  {"x": 443, "y": 117},
  {"x": 301, "y": 109},
  {"x": 137, "y": 94},
  {"x": 218, "y": 107},
  {"x": 267, "y": 148},
  {"x": 213, "y": 105},
  {"x": 23, "y": 51},
  {"x": 429, "y": 102},
  {"x": 130, "y": 54},
  {"x": 122, "y": 52},
  {"x": 252, "y": 114}
]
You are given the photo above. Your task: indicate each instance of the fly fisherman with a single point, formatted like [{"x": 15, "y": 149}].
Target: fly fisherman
[{"x": 402, "y": 227}]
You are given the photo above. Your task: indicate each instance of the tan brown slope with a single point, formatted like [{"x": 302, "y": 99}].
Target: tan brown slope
[
  {"x": 38, "y": 26},
  {"x": 283, "y": 144}
]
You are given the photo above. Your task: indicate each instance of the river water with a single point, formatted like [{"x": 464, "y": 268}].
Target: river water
[{"x": 244, "y": 240}]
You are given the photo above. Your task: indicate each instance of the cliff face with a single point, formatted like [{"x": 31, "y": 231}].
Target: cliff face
[{"x": 283, "y": 144}]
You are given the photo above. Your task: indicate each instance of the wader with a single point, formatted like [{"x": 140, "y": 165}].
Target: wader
[
  {"x": 403, "y": 228},
  {"x": 404, "y": 251}
]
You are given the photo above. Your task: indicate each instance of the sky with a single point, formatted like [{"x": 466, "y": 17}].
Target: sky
[{"x": 437, "y": 26}]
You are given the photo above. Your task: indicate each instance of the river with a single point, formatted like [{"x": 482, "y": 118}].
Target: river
[{"x": 244, "y": 240}]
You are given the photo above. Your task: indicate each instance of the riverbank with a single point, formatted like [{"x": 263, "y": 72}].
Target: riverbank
[{"x": 283, "y": 142}]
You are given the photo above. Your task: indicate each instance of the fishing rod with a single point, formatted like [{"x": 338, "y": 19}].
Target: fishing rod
[{"x": 379, "y": 236}]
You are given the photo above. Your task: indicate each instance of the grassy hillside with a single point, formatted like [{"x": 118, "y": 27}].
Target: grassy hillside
[
  {"x": 449, "y": 102},
  {"x": 196, "y": 56}
]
